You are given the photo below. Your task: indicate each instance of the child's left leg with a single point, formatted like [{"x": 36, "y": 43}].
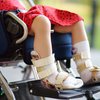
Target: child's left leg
[{"x": 87, "y": 71}]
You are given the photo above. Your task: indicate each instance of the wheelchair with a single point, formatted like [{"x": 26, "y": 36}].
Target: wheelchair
[{"x": 16, "y": 45}]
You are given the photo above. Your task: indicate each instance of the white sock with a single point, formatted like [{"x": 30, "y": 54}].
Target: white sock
[{"x": 82, "y": 47}]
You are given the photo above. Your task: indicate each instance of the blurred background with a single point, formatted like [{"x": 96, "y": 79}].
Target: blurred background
[{"x": 88, "y": 9}]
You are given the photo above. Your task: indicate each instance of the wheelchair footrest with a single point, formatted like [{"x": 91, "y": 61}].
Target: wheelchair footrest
[
  {"x": 36, "y": 88},
  {"x": 90, "y": 90}
]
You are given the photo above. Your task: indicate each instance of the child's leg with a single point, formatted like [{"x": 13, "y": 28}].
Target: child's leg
[
  {"x": 45, "y": 63},
  {"x": 81, "y": 51},
  {"x": 42, "y": 42}
]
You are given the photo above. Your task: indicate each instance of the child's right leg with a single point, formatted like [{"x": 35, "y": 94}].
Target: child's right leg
[
  {"x": 82, "y": 57},
  {"x": 45, "y": 62}
]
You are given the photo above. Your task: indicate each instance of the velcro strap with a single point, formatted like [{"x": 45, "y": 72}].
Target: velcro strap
[
  {"x": 44, "y": 61},
  {"x": 82, "y": 55},
  {"x": 95, "y": 69},
  {"x": 60, "y": 78},
  {"x": 48, "y": 71},
  {"x": 85, "y": 65}
]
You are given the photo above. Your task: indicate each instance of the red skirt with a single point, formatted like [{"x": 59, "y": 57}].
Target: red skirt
[{"x": 56, "y": 16}]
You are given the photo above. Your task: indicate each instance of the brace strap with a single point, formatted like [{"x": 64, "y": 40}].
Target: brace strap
[
  {"x": 82, "y": 55},
  {"x": 60, "y": 78},
  {"x": 46, "y": 66},
  {"x": 94, "y": 73},
  {"x": 48, "y": 71},
  {"x": 44, "y": 61},
  {"x": 95, "y": 69},
  {"x": 86, "y": 64}
]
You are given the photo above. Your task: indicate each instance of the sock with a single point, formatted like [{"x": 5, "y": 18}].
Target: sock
[{"x": 82, "y": 47}]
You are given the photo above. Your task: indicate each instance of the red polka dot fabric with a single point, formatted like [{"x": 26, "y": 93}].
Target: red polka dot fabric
[
  {"x": 56, "y": 16},
  {"x": 10, "y": 5}
]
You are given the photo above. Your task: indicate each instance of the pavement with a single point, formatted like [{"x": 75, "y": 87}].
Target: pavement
[{"x": 17, "y": 72}]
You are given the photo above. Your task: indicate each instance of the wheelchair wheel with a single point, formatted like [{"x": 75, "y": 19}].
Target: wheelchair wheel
[{"x": 22, "y": 94}]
